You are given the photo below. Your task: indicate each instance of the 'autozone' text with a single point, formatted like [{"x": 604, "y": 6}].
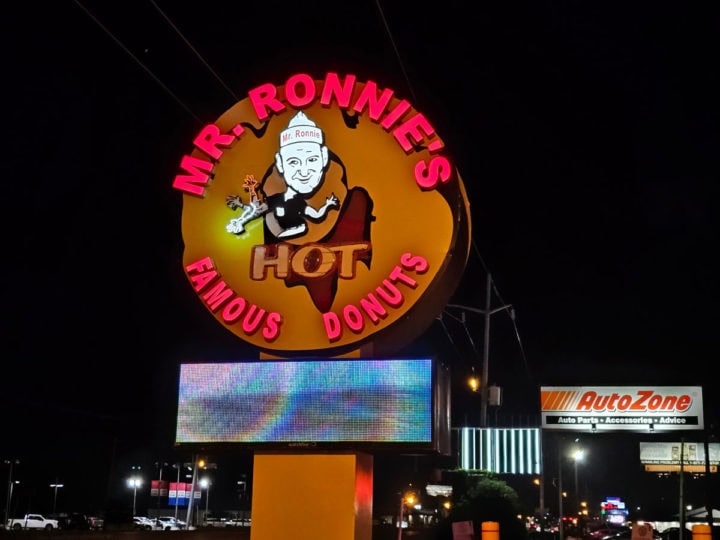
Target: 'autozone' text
[{"x": 643, "y": 401}]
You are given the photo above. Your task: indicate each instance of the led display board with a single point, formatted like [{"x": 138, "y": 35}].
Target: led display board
[
  {"x": 316, "y": 404},
  {"x": 613, "y": 408}
]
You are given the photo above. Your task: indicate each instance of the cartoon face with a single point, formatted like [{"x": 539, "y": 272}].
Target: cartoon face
[{"x": 302, "y": 165}]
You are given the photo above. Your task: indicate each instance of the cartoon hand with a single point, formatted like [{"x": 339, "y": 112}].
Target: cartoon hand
[
  {"x": 332, "y": 200},
  {"x": 234, "y": 201},
  {"x": 235, "y": 226}
]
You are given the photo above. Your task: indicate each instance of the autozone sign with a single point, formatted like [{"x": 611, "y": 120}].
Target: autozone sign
[{"x": 610, "y": 408}]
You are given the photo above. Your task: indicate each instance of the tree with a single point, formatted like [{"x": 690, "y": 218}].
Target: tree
[{"x": 480, "y": 496}]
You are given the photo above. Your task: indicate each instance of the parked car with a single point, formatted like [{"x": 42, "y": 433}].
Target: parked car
[
  {"x": 238, "y": 522},
  {"x": 626, "y": 534},
  {"x": 169, "y": 523},
  {"x": 75, "y": 522},
  {"x": 32, "y": 521},
  {"x": 214, "y": 522},
  {"x": 143, "y": 523},
  {"x": 601, "y": 533},
  {"x": 96, "y": 523}
]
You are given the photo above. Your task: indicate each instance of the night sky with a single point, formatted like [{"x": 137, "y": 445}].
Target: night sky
[{"x": 586, "y": 135}]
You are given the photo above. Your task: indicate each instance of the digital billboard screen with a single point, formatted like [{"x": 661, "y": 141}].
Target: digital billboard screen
[{"x": 336, "y": 403}]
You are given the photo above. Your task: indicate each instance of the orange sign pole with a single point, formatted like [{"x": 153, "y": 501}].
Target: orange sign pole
[{"x": 311, "y": 496}]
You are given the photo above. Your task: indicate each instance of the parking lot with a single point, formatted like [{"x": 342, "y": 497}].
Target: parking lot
[{"x": 210, "y": 533}]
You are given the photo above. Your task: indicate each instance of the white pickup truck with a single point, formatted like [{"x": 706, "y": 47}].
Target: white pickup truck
[{"x": 32, "y": 521}]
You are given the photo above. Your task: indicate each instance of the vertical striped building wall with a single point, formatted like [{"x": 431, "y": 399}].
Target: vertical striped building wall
[{"x": 500, "y": 450}]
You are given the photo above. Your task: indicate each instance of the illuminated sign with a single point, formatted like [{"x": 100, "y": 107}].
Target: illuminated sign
[
  {"x": 159, "y": 488},
  {"x": 611, "y": 408},
  {"x": 318, "y": 213},
  {"x": 612, "y": 503},
  {"x": 695, "y": 469},
  {"x": 500, "y": 450},
  {"x": 675, "y": 453},
  {"x": 309, "y": 404}
]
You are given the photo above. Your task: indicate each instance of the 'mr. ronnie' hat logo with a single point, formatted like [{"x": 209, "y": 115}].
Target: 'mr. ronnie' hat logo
[
  {"x": 301, "y": 129},
  {"x": 323, "y": 216}
]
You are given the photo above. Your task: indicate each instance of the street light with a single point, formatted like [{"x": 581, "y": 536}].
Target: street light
[
  {"x": 134, "y": 482},
  {"x": 407, "y": 498},
  {"x": 197, "y": 463},
  {"x": 55, "y": 487},
  {"x": 538, "y": 481},
  {"x": 242, "y": 488},
  {"x": 11, "y": 463},
  {"x": 178, "y": 466},
  {"x": 205, "y": 484},
  {"x": 577, "y": 456},
  {"x": 158, "y": 492},
  {"x": 161, "y": 465}
]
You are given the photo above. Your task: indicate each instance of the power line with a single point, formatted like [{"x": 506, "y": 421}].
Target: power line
[
  {"x": 474, "y": 246},
  {"x": 397, "y": 52},
  {"x": 511, "y": 312},
  {"x": 138, "y": 61},
  {"x": 448, "y": 335},
  {"x": 477, "y": 252},
  {"x": 190, "y": 46}
]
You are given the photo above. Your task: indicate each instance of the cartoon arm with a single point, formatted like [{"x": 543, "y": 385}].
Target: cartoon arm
[
  {"x": 332, "y": 200},
  {"x": 234, "y": 202}
]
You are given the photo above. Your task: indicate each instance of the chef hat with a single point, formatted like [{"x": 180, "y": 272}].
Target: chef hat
[{"x": 301, "y": 129}]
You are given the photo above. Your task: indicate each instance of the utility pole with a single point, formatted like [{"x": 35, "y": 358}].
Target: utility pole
[
  {"x": 177, "y": 487},
  {"x": 188, "y": 518},
  {"x": 708, "y": 499},
  {"x": 487, "y": 312},
  {"x": 160, "y": 465},
  {"x": 540, "y": 483},
  {"x": 486, "y": 355},
  {"x": 681, "y": 510},
  {"x": 561, "y": 531},
  {"x": 542, "y": 498},
  {"x": 400, "y": 518},
  {"x": 9, "y": 462}
]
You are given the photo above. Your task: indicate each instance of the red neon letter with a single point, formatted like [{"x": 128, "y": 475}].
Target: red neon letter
[
  {"x": 411, "y": 128},
  {"x": 305, "y": 84},
  {"x": 414, "y": 262},
  {"x": 210, "y": 138},
  {"x": 394, "y": 115},
  {"x": 369, "y": 96},
  {"x": 396, "y": 274},
  {"x": 194, "y": 182},
  {"x": 426, "y": 176},
  {"x": 333, "y": 329},
  {"x": 200, "y": 266},
  {"x": 272, "y": 326},
  {"x": 263, "y": 98},
  {"x": 332, "y": 87}
]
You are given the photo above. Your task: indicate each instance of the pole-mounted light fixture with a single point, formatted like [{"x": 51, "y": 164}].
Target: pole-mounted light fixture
[{"x": 55, "y": 487}]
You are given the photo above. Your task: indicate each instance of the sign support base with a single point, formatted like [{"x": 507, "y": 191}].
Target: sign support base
[{"x": 311, "y": 496}]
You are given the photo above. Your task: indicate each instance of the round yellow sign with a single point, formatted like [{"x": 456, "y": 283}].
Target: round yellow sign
[{"x": 323, "y": 216}]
